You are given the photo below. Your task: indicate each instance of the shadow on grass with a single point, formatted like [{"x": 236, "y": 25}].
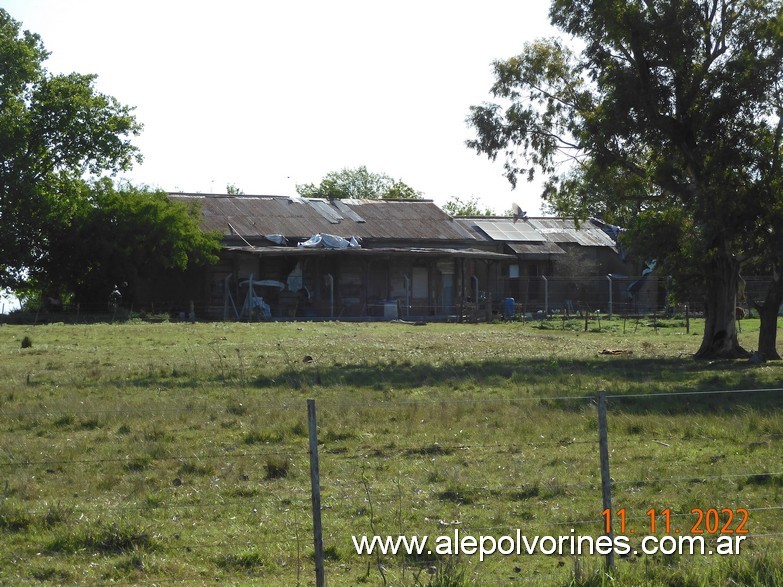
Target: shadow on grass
[
  {"x": 675, "y": 374},
  {"x": 687, "y": 380},
  {"x": 762, "y": 400}
]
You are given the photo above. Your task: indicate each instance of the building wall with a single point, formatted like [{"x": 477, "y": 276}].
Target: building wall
[
  {"x": 349, "y": 286},
  {"x": 338, "y": 285}
]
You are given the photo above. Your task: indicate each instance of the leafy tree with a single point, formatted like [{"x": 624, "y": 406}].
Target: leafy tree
[
  {"x": 359, "y": 184},
  {"x": 763, "y": 242},
  {"x": 54, "y": 129},
  {"x": 401, "y": 191},
  {"x": 670, "y": 100},
  {"x": 471, "y": 206},
  {"x": 120, "y": 236}
]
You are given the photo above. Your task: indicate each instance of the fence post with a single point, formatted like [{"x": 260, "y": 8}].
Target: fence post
[
  {"x": 606, "y": 481},
  {"x": 331, "y": 295},
  {"x": 315, "y": 483}
]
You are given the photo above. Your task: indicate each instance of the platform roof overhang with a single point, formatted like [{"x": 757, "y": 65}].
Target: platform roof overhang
[
  {"x": 535, "y": 251},
  {"x": 374, "y": 252}
]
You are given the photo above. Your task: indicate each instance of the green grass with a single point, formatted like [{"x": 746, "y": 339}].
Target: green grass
[{"x": 177, "y": 453}]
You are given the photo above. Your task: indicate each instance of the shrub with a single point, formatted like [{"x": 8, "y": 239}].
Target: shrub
[{"x": 276, "y": 467}]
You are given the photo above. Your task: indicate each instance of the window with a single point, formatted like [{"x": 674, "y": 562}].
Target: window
[{"x": 420, "y": 286}]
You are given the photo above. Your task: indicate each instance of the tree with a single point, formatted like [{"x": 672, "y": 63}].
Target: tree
[
  {"x": 456, "y": 206},
  {"x": 669, "y": 98},
  {"x": 54, "y": 130},
  {"x": 763, "y": 243},
  {"x": 360, "y": 184},
  {"x": 121, "y": 235}
]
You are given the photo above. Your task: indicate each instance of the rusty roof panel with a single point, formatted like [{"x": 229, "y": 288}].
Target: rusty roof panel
[
  {"x": 531, "y": 249},
  {"x": 296, "y": 218}
]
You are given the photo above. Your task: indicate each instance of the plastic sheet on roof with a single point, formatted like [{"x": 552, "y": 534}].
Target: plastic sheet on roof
[{"x": 329, "y": 241}]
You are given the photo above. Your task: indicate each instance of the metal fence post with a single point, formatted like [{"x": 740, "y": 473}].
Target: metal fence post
[
  {"x": 606, "y": 481},
  {"x": 315, "y": 483}
]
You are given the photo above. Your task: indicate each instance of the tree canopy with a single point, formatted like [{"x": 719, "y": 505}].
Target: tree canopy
[
  {"x": 121, "y": 235},
  {"x": 670, "y": 105},
  {"x": 358, "y": 183},
  {"x": 471, "y": 206},
  {"x": 54, "y": 130}
]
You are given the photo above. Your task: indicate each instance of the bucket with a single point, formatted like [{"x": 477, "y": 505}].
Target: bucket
[{"x": 509, "y": 308}]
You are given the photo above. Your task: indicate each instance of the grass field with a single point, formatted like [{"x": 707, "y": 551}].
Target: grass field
[{"x": 177, "y": 454}]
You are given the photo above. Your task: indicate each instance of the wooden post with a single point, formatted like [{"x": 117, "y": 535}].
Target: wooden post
[
  {"x": 462, "y": 291},
  {"x": 315, "y": 483},
  {"x": 687, "y": 319},
  {"x": 606, "y": 481}
]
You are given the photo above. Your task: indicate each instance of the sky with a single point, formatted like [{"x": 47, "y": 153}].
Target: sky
[{"x": 267, "y": 95}]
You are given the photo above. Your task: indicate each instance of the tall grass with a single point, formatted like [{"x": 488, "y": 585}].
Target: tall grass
[{"x": 155, "y": 453}]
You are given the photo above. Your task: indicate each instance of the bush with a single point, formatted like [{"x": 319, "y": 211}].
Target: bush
[{"x": 276, "y": 467}]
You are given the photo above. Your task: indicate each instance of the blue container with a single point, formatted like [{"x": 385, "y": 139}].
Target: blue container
[{"x": 509, "y": 308}]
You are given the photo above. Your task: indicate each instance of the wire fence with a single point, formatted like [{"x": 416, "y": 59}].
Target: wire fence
[
  {"x": 486, "y": 472},
  {"x": 612, "y": 295},
  {"x": 535, "y": 297}
]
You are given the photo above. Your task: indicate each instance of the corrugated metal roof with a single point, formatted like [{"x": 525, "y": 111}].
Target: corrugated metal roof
[
  {"x": 544, "y": 249},
  {"x": 252, "y": 217},
  {"x": 550, "y": 230},
  {"x": 507, "y": 231},
  {"x": 560, "y": 231}
]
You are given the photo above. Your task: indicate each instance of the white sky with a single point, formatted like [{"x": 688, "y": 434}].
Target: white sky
[{"x": 266, "y": 95}]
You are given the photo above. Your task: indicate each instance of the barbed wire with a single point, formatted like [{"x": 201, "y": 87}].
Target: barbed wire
[
  {"x": 693, "y": 393},
  {"x": 430, "y": 450},
  {"x": 697, "y": 478},
  {"x": 130, "y": 458},
  {"x": 347, "y": 492},
  {"x": 327, "y": 403},
  {"x": 187, "y": 409}
]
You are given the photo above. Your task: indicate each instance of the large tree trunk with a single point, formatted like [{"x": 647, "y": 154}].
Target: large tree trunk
[
  {"x": 768, "y": 313},
  {"x": 720, "y": 313}
]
